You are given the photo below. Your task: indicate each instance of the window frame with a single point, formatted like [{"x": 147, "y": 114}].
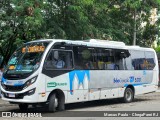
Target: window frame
[{"x": 130, "y": 60}]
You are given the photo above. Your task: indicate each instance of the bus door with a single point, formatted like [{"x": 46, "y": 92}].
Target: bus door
[{"x": 57, "y": 66}]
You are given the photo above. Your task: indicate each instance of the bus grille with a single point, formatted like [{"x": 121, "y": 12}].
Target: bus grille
[{"x": 12, "y": 88}]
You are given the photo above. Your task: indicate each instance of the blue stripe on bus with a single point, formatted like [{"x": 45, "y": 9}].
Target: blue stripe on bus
[
  {"x": 137, "y": 84},
  {"x": 80, "y": 76}
]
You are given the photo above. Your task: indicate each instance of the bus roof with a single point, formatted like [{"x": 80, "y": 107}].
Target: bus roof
[{"x": 97, "y": 43}]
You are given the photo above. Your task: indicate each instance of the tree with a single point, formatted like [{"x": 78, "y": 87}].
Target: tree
[
  {"x": 20, "y": 22},
  {"x": 119, "y": 20},
  {"x": 67, "y": 19}
]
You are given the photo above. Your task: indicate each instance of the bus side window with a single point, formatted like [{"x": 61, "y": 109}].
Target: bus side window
[
  {"x": 123, "y": 60},
  {"x": 83, "y": 58},
  {"x": 59, "y": 59},
  {"x": 138, "y": 58},
  {"x": 105, "y": 59},
  {"x": 149, "y": 62}
]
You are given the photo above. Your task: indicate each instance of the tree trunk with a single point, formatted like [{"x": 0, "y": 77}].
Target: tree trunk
[{"x": 134, "y": 31}]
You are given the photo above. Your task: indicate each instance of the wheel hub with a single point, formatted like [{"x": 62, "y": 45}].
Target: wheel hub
[{"x": 128, "y": 95}]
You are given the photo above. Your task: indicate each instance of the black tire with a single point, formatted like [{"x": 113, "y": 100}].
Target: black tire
[
  {"x": 61, "y": 105},
  {"x": 128, "y": 95},
  {"x": 23, "y": 106},
  {"x": 52, "y": 103}
]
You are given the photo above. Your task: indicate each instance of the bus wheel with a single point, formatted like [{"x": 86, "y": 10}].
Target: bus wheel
[
  {"x": 53, "y": 103},
  {"x": 61, "y": 106},
  {"x": 23, "y": 106},
  {"x": 128, "y": 95}
]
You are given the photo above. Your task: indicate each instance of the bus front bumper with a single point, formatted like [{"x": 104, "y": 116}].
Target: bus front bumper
[{"x": 29, "y": 96}]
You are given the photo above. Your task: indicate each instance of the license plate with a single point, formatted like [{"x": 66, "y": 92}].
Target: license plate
[{"x": 11, "y": 95}]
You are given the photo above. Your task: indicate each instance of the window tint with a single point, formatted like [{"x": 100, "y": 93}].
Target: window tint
[
  {"x": 122, "y": 59},
  {"x": 112, "y": 59},
  {"x": 94, "y": 58},
  {"x": 101, "y": 58},
  {"x": 149, "y": 63},
  {"x": 138, "y": 59},
  {"x": 105, "y": 59},
  {"x": 58, "y": 59},
  {"x": 84, "y": 58}
]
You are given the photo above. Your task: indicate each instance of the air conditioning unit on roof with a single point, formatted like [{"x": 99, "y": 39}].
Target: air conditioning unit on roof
[{"x": 108, "y": 42}]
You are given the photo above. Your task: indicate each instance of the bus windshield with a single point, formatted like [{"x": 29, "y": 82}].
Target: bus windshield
[{"x": 27, "y": 58}]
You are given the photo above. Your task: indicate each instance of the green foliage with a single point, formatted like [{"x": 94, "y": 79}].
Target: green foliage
[
  {"x": 157, "y": 49},
  {"x": 21, "y": 21},
  {"x": 26, "y": 20}
]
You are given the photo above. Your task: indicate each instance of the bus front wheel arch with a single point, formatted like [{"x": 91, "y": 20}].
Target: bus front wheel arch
[{"x": 56, "y": 100}]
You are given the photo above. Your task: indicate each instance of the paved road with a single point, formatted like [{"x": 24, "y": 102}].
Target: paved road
[{"x": 146, "y": 102}]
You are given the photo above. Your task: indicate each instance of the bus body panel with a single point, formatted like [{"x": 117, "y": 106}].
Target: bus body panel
[{"x": 87, "y": 85}]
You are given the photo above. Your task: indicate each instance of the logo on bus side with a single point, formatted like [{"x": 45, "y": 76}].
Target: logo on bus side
[
  {"x": 131, "y": 79},
  {"x": 54, "y": 84}
]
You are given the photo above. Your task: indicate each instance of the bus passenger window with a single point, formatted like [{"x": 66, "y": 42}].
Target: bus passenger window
[
  {"x": 58, "y": 59},
  {"x": 149, "y": 62},
  {"x": 138, "y": 59},
  {"x": 122, "y": 59},
  {"x": 83, "y": 58},
  {"x": 107, "y": 55}
]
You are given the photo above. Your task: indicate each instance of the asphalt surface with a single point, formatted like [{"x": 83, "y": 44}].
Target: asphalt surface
[{"x": 145, "y": 102}]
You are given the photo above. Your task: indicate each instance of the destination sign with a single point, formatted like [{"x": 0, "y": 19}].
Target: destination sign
[{"x": 33, "y": 49}]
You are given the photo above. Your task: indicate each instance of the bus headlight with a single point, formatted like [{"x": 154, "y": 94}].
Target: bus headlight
[
  {"x": 29, "y": 82},
  {"x": 31, "y": 92}
]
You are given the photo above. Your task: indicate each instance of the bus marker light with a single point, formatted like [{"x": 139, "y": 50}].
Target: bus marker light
[
  {"x": 43, "y": 94},
  {"x": 12, "y": 67},
  {"x": 91, "y": 91}
]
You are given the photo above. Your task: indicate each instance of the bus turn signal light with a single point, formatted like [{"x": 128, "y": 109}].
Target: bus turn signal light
[{"x": 43, "y": 94}]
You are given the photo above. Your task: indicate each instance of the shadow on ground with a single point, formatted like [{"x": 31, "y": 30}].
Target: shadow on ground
[{"x": 90, "y": 104}]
